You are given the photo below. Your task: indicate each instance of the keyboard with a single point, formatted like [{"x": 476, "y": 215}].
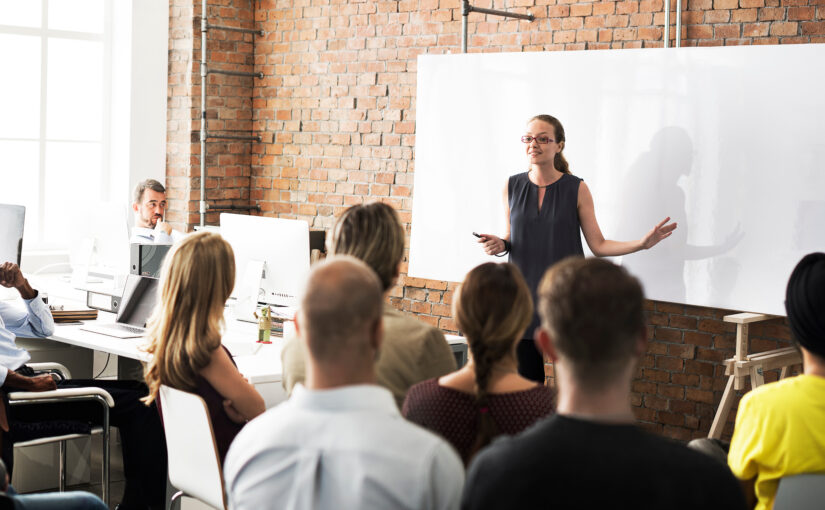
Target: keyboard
[
  {"x": 116, "y": 329},
  {"x": 124, "y": 327}
]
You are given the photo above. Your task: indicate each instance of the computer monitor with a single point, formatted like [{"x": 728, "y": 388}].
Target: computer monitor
[
  {"x": 101, "y": 248},
  {"x": 12, "y": 218},
  {"x": 271, "y": 257}
]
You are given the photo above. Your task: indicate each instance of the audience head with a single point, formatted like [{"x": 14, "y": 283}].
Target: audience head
[
  {"x": 492, "y": 308},
  {"x": 185, "y": 328},
  {"x": 372, "y": 233},
  {"x": 805, "y": 303},
  {"x": 149, "y": 203},
  {"x": 340, "y": 315},
  {"x": 592, "y": 311}
]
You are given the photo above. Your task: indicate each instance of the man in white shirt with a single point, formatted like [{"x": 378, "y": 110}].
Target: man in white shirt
[
  {"x": 141, "y": 431},
  {"x": 340, "y": 442},
  {"x": 149, "y": 208}
]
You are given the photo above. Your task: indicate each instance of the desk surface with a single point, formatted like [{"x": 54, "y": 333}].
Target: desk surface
[{"x": 260, "y": 363}]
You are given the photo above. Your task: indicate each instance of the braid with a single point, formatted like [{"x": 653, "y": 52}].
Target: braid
[
  {"x": 493, "y": 307},
  {"x": 485, "y": 355}
]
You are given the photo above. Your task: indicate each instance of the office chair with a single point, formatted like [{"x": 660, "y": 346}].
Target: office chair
[
  {"x": 19, "y": 398},
  {"x": 194, "y": 465},
  {"x": 800, "y": 492}
]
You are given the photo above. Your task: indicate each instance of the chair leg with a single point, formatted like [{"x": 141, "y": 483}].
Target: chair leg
[
  {"x": 61, "y": 462},
  {"x": 105, "y": 475},
  {"x": 175, "y": 502}
]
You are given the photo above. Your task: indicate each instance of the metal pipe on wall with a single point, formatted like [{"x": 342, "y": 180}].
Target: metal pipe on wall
[
  {"x": 466, "y": 9},
  {"x": 666, "y": 36},
  {"x": 202, "y": 203},
  {"x": 678, "y": 23}
]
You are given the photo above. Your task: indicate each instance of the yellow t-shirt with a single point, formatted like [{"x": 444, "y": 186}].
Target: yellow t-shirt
[{"x": 780, "y": 431}]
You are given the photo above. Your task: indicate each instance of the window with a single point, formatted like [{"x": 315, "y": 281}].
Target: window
[{"x": 55, "y": 104}]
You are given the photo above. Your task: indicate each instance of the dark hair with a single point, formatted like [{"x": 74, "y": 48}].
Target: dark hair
[
  {"x": 492, "y": 309},
  {"x": 593, "y": 310},
  {"x": 147, "y": 184},
  {"x": 558, "y": 131},
  {"x": 805, "y": 303},
  {"x": 372, "y": 233}
]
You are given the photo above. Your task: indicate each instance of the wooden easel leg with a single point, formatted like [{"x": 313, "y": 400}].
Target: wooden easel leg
[
  {"x": 722, "y": 411},
  {"x": 757, "y": 378},
  {"x": 784, "y": 372}
]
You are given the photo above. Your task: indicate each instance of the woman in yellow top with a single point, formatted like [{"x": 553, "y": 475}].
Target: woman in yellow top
[{"x": 780, "y": 427}]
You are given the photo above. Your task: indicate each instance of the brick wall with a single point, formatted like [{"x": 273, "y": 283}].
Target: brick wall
[
  {"x": 229, "y": 109},
  {"x": 336, "y": 110}
]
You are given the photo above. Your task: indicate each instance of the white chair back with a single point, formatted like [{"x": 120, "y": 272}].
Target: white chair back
[
  {"x": 801, "y": 492},
  {"x": 194, "y": 465}
]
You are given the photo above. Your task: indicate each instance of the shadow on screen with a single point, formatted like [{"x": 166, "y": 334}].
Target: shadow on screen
[{"x": 651, "y": 193}]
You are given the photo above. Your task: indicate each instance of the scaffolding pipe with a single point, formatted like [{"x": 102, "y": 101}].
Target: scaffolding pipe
[
  {"x": 467, "y": 9},
  {"x": 202, "y": 203},
  {"x": 238, "y": 29},
  {"x": 237, "y": 73},
  {"x": 254, "y": 138},
  {"x": 230, "y": 207},
  {"x": 678, "y": 23}
]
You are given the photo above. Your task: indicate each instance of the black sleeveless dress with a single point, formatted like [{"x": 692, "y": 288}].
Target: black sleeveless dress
[{"x": 539, "y": 239}]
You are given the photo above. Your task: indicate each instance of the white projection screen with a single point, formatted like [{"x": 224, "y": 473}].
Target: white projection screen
[{"x": 728, "y": 141}]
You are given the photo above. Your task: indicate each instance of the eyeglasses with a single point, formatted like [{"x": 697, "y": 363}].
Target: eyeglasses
[{"x": 539, "y": 139}]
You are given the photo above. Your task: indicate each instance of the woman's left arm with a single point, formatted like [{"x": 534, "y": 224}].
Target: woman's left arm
[{"x": 602, "y": 247}]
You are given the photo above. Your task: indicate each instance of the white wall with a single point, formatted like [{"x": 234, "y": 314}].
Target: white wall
[{"x": 728, "y": 141}]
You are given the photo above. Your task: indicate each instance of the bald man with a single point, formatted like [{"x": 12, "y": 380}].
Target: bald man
[{"x": 340, "y": 441}]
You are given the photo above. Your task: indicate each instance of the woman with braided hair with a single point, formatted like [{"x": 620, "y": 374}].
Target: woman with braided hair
[{"x": 486, "y": 397}]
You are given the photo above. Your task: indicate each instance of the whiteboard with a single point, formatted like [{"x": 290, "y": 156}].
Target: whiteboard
[{"x": 728, "y": 141}]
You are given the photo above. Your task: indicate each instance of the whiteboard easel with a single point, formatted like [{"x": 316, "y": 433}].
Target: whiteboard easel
[{"x": 744, "y": 365}]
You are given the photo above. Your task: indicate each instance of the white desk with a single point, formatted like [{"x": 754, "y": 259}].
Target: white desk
[{"x": 259, "y": 363}]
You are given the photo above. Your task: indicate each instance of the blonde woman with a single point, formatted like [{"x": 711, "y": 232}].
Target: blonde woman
[
  {"x": 185, "y": 334},
  {"x": 487, "y": 397}
]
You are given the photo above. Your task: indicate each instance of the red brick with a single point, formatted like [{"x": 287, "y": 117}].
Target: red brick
[
  {"x": 801, "y": 13},
  {"x": 814, "y": 28},
  {"x": 699, "y": 395},
  {"x": 771, "y": 13},
  {"x": 755, "y": 29},
  {"x": 652, "y": 402},
  {"x": 779, "y": 28},
  {"x": 668, "y": 418}
]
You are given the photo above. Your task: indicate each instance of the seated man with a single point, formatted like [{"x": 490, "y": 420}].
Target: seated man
[
  {"x": 75, "y": 500},
  {"x": 150, "y": 207},
  {"x": 591, "y": 454},
  {"x": 144, "y": 449},
  {"x": 780, "y": 427},
  {"x": 340, "y": 442},
  {"x": 412, "y": 351}
]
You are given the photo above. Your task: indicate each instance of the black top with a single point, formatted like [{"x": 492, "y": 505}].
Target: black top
[
  {"x": 564, "y": 462},
  {"x": 541, "y": 238},
  {"x": 454, "y": 414},
  {"x": 224, "y": 428}
]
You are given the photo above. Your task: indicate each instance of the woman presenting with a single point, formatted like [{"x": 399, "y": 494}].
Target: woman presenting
[{"x": 546, "y": 207}]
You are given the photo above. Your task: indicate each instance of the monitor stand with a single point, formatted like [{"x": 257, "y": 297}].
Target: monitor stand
[{"x": 249, "y": 288}]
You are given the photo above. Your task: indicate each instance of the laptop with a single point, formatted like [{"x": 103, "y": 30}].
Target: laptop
[{"x": 136, "y": 306}]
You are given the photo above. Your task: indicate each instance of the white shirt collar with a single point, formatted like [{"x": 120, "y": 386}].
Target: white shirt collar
[{"x": 357, "y": 397}]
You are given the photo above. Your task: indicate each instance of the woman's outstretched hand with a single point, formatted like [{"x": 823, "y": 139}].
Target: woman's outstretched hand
[
  {"x": 657, "y": 233},
  {"x": 493, "y": 245}
]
